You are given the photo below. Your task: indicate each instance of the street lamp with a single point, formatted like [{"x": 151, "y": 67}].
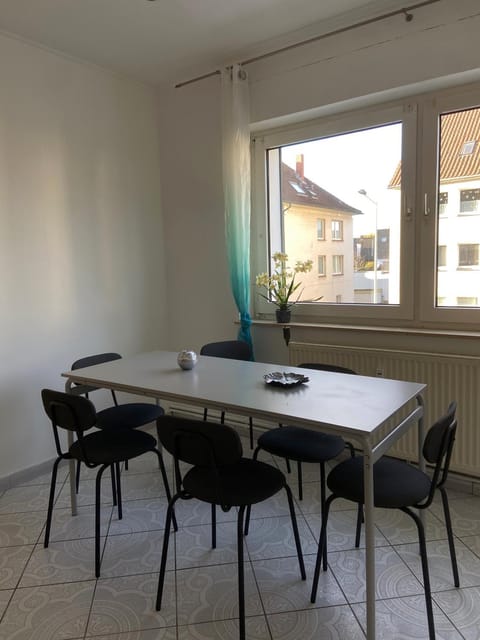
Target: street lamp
[{"x": 363, "y": 192}]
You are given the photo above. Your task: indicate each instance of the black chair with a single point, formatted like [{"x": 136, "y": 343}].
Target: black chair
[
  {"x": 399, "y": 485},
  {"x": 234, "y": 350},
  {"x": 221, "y": 476},
  {"x": 305, "y": 445},
  {"x": 103, "y": 449},
  {"x": 129, "y": 415}
]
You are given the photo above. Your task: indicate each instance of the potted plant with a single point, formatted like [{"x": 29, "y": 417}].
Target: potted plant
[{"x": 281, "y": 285}]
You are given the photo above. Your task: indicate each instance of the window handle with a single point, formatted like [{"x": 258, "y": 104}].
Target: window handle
[
  {"x": 426, "y": 208},
  {"x": 408, "y": 210}
]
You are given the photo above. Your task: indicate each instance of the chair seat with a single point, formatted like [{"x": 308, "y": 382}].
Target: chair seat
[
  {"x": 244, "y": 482},
  {"x": 396, "y": 483},
  {"x": 103, "y": 448},
  {"x": 304, "y": 445},
  {"x": 128, "y": 416}
]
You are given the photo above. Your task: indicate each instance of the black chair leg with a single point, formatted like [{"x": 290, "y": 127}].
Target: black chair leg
[
  {"x": 287, "y": 461},
  {"x": 300, "y": 480},
  {"x": 358, "y": 529},
  {"x": 166, "y": 538},
  {"x": 250, "y": 426},
  {"x": 214, "y": 526},
  {"x": 166, "y": 484},
  {"x": 241, "y": 576},
  {"x": 119, "y": 490},
  {"x": 451, "y": 544},
  {"x": 51, "y": 499},
  {"x": 114, "y": 486},
  {"x": 222, "y": 417},
  {"x": 296, "y": 535},
  {"x": 321, "y": 543},
  {"x": 205, "y": 414},
  {"x": 289, "y": 468},
  {"x": 98, "y": 484},
  {"x": 77, "y": 476},
  {"x": 426, "y": 576}
]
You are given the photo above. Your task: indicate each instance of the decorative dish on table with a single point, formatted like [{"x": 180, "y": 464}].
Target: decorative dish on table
[{"x": 284, "y": 379}]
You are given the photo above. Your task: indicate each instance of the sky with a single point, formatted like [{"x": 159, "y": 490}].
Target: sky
[{"x": 344, "y": 164}]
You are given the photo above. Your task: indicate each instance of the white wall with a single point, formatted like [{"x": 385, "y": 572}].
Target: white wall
[
  {"x": 200, "y": 306},
  {"x": 81, "y": 236},
  {"x": 84, "y": 263},
  {"x": 382, "y": 58}
]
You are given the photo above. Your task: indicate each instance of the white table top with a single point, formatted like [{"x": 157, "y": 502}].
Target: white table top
[{"x": 349, "y": 404}]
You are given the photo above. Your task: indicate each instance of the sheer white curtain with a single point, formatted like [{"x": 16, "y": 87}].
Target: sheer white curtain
[{"x": 236, "y": 188}]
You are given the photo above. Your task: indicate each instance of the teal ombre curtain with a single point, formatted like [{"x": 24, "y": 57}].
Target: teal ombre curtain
[{"x": 236, "y": 189}]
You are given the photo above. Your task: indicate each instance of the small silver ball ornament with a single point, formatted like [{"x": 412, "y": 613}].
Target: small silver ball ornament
[{"x": 187, "y": 359}]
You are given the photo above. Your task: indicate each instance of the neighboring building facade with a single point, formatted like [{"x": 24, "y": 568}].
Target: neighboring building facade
[
  {"x": 458, "y": 208},
  {"x": 318, "y": 226}
]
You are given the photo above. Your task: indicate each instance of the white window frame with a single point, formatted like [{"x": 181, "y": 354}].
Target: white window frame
[
  {"x": 401, "y": 111},
  {"x": 321, "y": 223},
  {"x": 336, "y": 230},
  {"x": 469, "y": 212},
  {"x": 337, "y": 257},
  {"x": 443, "y": 248},
  {"x": 322, "y": 273},
  {"x": 430, "y": 108},
  {"x": 470, "y": 265}
]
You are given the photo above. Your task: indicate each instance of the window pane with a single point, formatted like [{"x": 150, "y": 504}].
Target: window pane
[
  {"x": 467, "y": 255},
  {"x": 337, "y": 230},
  {"x": 458, "y": 230},
  {"x": 442, "y": 256},
  {"x": 337, "y": 262},
  {"x": 344, "y": 190},
  {"x": 321, "y": 229},
  {"x": 322, "y": 265}
]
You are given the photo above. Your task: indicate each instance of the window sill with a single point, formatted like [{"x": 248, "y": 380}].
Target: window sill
[{"x": 407, "y": 331}]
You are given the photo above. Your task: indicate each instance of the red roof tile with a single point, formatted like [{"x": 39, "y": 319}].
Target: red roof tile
[
  {"x": 298, "y": 190},
  {"x": 456, "y": 129}
]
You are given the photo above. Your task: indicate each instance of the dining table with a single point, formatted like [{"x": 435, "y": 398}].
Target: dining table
[{"x": 373, "y": 412}]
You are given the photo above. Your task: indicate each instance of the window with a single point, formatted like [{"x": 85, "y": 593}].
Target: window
[
  {"x": 468, "y": 255},
  {"x": 467, "y": 302},
  {"x": 442, "y": 255},
  {"x": 469, "y": 200},
  {"x": 337, "y": 230},
  {"x": 468, "y": 148},
  {"x": 337, "y": 265},
  {"x": 442, "y": 203},
  {"x": 362, "y": 173},
  {"x": 322, "y": 265},
  {"x": 320, "y": 229}
]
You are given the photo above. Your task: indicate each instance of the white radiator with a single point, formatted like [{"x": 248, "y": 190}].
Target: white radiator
[{"x": 449, "y": 377}]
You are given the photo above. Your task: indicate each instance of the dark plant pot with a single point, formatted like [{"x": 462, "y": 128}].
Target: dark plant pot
[{"x": 283, "y": 315}]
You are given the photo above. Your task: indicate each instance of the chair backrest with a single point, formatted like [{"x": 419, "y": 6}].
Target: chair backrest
[
  {"x": 232, "y": 349},
  {"x": 438, "y": 446},
  {"x": 199, "y": 443},
  {"x": 326, "y": 367},
  {"x": 68, "y": 411},
  {"x": 99, "y": 358},
  {"x": 90, "y": 361}
]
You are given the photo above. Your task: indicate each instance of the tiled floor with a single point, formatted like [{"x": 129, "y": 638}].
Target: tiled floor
[{"x": 51, "y": 594}]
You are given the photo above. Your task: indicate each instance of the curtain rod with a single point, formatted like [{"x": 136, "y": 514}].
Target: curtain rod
[{"x": 405, "y": 11}]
